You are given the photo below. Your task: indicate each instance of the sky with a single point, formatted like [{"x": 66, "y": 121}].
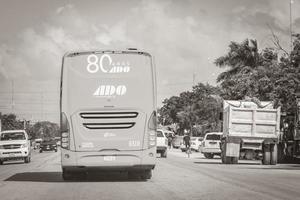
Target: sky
[{"x": 184, "y": 36}]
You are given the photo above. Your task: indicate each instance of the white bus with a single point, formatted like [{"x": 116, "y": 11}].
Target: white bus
[{"x": 108, "y": 112}]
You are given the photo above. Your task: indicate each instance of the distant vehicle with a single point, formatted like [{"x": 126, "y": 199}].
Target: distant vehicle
[
  {"x": 177, "y": 141},
  {"x": 108, "y": 112},
  {"x": 48, "y": 145},
  {"x": 211, "y": 144},
  {"x": 196, "y": 143},
  {"x": 58, "y": 140},
  {"x": 37, "y": 143},
  {"x": 14, "y": 145},
  {"x": 161, "y": 143}
]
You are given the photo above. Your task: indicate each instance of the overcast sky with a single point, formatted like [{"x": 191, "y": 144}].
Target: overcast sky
[{"x": 185, "y": 36}]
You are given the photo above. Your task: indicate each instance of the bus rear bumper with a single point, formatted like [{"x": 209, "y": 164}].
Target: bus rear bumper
[{"x": 113, "y": 161}]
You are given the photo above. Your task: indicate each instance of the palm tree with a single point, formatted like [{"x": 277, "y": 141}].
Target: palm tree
[{"x": 242, "y": 57}]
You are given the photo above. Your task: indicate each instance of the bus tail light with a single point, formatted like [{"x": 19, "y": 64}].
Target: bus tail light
[
  {"x": 152, "y": 125},
  {"x": 65, "y": 131}
]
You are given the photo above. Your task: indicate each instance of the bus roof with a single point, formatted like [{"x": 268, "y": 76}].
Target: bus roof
[{"x": 129, "y": 50}]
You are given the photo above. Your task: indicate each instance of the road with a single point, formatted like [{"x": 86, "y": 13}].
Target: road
[{"x": 175, "y": 177}]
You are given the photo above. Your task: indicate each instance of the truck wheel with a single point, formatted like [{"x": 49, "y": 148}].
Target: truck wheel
[
  {"x": 266, "y": 155},
  {"x": 1, "y": 162},
  {"x": 274, "y": 152},
  {"x": 163, "y": 154},
  {"x": 227, "y": 160},
  {"x": 234, "y": 160},
  {"x": 147, "y": 174}
]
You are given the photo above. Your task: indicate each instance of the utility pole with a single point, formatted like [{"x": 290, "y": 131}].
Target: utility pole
[
  {"x": 42, "y": 106},
  {"x": 291, "y": 25},
  {"x": 194, "y": 76},
  {"x": 12, "y": 96}
]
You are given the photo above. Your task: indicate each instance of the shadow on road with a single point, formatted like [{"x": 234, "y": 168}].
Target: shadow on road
[
  {"x": 220, "y": 163},
  {"x": 57, "y": 177},
  {"x": 274, "y": 167}
]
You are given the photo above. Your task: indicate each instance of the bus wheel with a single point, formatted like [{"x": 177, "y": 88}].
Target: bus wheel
[
  {"x": 146, "y": 174},
  {"x": 133, "y": 175},
  {"x": 266, "y": 155},
  {"x": 66, "y": 175}
]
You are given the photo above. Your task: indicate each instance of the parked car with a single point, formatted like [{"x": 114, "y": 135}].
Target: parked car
[
  {"x": 48, "y": 145},
  {"x": 177, "y": 141},
  {"x": 161, "y": 143},
  {"x": 196, "y": 143},
  {"x": 14, "y": 145},
  {"x": 211, "y": 144}
]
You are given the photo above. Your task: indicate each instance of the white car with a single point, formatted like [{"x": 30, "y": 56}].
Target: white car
[
  {"x": 211, "y": 144},
  {"x": 196, "y": 143},
  {"x": 14, "y": 145},
  {"x": 161, "y": 143}
]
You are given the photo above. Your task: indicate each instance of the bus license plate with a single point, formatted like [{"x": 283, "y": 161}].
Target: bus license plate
[{"x": 109, "y": 158}]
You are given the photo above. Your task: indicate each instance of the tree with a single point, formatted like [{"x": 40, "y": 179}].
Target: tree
[
  {"x": 198, "y": 107},
  {"x": 261, "y": 74},
  {"x": 44, "y": 129},
  {"x": 10, "y": 122}
]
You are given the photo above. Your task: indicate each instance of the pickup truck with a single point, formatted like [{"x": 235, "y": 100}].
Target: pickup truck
[{"x": 14, "y": 145}]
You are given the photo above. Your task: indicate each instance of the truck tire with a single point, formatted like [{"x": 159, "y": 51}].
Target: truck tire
[
  {"x": 274, "y": 151},
  {"x": 163, "y": 154},
  {"x": 1, "y": 162},
  {"x": 234, "y": 160},
  {"x": 266, "y": 155}
]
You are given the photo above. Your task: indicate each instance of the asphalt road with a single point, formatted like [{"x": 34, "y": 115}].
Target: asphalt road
[{"x": 175, "y": 177}]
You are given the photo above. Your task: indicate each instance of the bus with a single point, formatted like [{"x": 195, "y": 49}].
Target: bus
[{"x": 108, "y": 112}]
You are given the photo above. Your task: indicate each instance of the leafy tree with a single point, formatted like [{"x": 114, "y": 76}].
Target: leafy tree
[
  {"x": 261, "y": 74},
  {"x": 10, "y": 122},
  {"x": 198, "y": 107},
  {"x": 44, "y": 129}
]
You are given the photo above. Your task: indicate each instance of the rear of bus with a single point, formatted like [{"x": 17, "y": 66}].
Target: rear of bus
[{"x": 108, "y": 112}]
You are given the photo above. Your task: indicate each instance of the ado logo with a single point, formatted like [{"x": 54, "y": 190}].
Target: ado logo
[
  {"x": 110, "y": 90},
  {"x": 94, "y": 65}
]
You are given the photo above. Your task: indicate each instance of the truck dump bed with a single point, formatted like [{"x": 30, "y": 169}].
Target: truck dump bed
[{"x": 247, "y": 119}]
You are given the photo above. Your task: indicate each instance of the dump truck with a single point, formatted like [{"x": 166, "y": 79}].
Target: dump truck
[{"x": 250, "y": 131}]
